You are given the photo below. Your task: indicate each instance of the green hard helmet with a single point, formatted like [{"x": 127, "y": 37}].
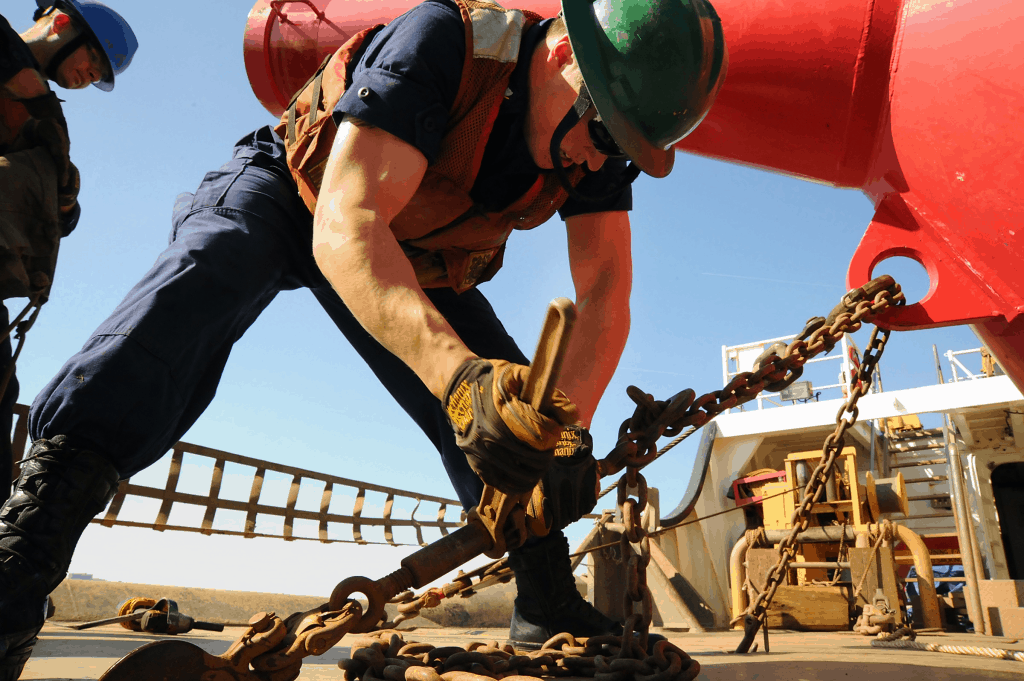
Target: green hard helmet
[{"x": 652, "y": 67}]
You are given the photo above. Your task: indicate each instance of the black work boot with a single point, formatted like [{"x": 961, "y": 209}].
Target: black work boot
[
  {"x": 59, "y": 491},
  {"x": 548, "y": 602}
]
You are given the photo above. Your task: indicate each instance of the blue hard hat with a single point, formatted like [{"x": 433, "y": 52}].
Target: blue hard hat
[{"x": 109, "y": 29}]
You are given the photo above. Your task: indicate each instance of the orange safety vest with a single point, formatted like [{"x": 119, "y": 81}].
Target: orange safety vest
[{"x": 448, "y": 239}]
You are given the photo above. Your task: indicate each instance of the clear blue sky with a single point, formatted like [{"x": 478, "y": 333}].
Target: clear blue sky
[{"x": 723, "y": 254}]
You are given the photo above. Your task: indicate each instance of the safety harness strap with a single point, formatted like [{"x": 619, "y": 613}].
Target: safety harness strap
[
  {"x": 317, "y": 80},
  {"x": 63, "y": 53},
  {"x": 579, "y": 109}
]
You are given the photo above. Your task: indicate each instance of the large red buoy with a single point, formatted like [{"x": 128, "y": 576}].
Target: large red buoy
[{"x": 285, "y": 40}]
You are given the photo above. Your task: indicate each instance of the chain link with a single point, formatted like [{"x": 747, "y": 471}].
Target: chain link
[
  {"x": 386, "y": 656},
  {"x": 635, "y": 553},
  {"x": 844, "y": 322},
  {"x": 410, "y": 605},
  {"x": 638, "y": 435},
  {"x": 652, "y": 419}
]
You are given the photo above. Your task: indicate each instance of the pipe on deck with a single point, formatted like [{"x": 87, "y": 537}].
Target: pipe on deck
[
  {"x": 922, "y": 563},
  {"x": 964, "y": 525},
  {"x": 737, "y": 576},
  {"x": 925, "y": 575}
]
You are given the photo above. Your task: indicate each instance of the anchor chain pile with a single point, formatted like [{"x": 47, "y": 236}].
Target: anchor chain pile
[{"x": 386, "y": 656}]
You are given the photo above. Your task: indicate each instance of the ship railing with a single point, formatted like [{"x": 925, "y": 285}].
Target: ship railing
[
  {"x": 238, "y": 503},
  {"x": 739, "y": 358},
  {"x": 989, "y": 367}
]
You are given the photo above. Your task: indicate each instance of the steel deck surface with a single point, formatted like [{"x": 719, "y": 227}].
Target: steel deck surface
[{"x": 64, "y": 654}]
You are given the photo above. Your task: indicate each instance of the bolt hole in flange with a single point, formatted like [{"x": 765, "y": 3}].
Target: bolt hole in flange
[{"x": 908, "y": 273}]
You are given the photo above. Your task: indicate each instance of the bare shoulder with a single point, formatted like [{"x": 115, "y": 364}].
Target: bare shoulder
[{"x": 369, "y": 168}]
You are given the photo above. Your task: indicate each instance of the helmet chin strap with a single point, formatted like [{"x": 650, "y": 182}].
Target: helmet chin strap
[
  {"x": 579, "y": 109},
  {"x": 63, "y": 53}
]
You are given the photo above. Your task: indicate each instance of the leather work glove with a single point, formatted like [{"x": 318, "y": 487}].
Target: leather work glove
[
  {"x": 48, "y": 129},
  {"x": 508, "y": 443},
  {"x": 67, "y": 200},
  {"x": 569, "y": 488}
]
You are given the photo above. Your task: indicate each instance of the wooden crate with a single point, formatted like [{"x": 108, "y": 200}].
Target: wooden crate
[{"x": 810, "y": 608}]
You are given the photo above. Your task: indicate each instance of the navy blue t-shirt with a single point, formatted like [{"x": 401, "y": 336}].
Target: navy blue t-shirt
[
  {"x": 14, "y": 53},
  {"x": 405, "y": 84}
]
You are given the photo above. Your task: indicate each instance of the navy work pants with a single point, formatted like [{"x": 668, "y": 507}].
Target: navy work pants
[{"x": 149, "y": 371}]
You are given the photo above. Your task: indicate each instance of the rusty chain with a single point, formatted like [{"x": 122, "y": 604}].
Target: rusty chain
[
  {"x": 844, "y": 322},
  {"x": 410, "y": 605},
  {"x": 604, "y": 657},
  {"x": 652, "y": 419},
  {"x": 386, "y": 656},
  {"x": 635, "y": 553},
  {"x": 638, "y": 435},
  {"x": 637, "y": 599}
]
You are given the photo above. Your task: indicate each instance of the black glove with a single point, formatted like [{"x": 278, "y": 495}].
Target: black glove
[
  {"x": 506, "y": 441},
  {"x": 67, "y": 200},
  {"x": 570, "y": 486}
]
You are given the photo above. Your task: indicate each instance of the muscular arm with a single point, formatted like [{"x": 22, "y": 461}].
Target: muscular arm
[
  {"x": 602, "y": 272},
  {"x": 369, "y": 178}
]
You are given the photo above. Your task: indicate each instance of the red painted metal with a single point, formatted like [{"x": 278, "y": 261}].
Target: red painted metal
[
  {"x": 740, "y": 487},
  {"x": 285, "y": 40},
  {"x": 918, "y": 103},
  {"x": 805, "y": 88}
]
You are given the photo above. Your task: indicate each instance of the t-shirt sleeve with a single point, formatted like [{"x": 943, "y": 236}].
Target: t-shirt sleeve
[
  {"x": 14, "y": 53},
  {"x": 409, "y": 75},
  {"x": 599, "y": 184}
]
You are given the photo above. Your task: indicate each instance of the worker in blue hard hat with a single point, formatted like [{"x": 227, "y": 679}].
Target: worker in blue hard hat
[
  {"x": 73, "y": 43},
  {"x": 100, "y": 47}
]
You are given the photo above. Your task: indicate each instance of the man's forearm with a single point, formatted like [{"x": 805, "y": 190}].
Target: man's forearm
[
  {"x": 369, "y": 177},
  {"x": 366, "y": 266},
  {"x": 599, "y": 337}
]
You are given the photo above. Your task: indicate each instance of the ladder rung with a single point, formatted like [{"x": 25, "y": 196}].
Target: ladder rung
[
  {"x": 930, "y": 478},
  {"x": 921, "y": 447},
  {"x": 925, "y": 462},
  {"x": 926, "y": 497},
  {"x": 927, "y": 515},
  {"x": 917, "y": 434},
  {"x": 937, "y": 558}
]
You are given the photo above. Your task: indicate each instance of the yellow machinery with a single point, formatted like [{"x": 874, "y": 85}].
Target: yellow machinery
[{"x": 845, "y": 567}]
